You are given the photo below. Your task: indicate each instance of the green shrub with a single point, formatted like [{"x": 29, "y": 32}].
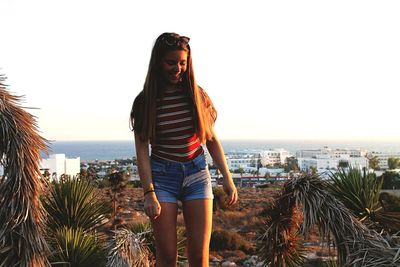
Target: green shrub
[
  {"x": 228, "y": 240},
  {"x": 135, "y": 184},
  {"x": 264, "y": 185},
  {"x": 102, "y": 183},
  {"x": 220, "y": 200},
  {"x": 390, "y": 202},
  {"x": 391, "y": 180}
]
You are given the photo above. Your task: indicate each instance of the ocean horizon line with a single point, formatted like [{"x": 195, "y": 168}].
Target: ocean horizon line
[
  {"x": 249, "y": 140},
  {"x": 121, "y": 149}
]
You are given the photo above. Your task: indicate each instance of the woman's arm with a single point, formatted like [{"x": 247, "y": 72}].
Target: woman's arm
[
  {"x": 216, "y": 151},
  {"x": 152, "y": 207}
]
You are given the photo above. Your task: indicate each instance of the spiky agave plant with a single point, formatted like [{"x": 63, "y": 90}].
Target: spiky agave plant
[
  {"x": 76, "y": 248},
  {"x": 359, "y": 191},
  {"x": 72, "y": 202},
  {"x": 74, "y": 215},
  {"x": 21, "y": 213},
  {"x": 356, "y": 244}
]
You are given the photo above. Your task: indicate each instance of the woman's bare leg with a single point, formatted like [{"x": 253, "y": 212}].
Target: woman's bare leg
[
  {"x": 164, "y": 227},
  {"x": 198, "y": 221}
]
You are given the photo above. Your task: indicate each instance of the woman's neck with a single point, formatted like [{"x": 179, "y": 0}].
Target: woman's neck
[{"x": 172, "y": 87}]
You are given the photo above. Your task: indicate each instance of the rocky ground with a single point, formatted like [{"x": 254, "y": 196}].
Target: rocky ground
[{"x": 243, "y": 222}]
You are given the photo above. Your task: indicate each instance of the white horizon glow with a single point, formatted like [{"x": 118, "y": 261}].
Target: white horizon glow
[{"x": 293, "y": 70}]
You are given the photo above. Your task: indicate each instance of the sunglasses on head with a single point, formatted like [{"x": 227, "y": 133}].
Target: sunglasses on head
[{"x": 173, "y": 40}]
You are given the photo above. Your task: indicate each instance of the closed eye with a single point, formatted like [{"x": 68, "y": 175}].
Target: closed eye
[{"x": 171, "y": 62}]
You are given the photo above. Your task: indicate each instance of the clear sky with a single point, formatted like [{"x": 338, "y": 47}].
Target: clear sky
[{"x": 274, "y": 69}]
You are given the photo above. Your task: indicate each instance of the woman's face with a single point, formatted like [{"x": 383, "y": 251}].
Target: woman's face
[{"x": 173, "y": 65}]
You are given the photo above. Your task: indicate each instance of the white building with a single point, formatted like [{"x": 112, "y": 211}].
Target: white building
[
  {"x": 274, "y": 156},
  {"x": 237, "y": 163},
  {"x": 1, "y": 170},
  {"x": 58, "y": 164},
  {"x": 324, "y": 163},
  {"x": 383, "y": 158},
  {"x": 249, "y": 161},
  {"x": 336, "y": 153}
]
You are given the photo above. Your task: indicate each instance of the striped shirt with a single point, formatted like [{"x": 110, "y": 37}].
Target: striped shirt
[{"x": 176, "y": 139}]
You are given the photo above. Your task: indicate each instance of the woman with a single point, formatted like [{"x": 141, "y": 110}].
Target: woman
[{"x": 175, "y": 116}]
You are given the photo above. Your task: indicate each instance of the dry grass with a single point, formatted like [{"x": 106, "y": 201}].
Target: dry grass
[{"x": 244, "y": 220}]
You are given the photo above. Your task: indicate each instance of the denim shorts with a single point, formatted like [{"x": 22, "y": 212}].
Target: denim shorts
[{"x": 182, "y": 181}]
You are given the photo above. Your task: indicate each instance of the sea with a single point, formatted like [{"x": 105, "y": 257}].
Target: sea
[{"x": 111, "y": 150}]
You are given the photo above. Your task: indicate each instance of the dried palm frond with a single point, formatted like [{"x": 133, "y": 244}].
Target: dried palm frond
[
  {"x": 181, "y": 243},
  {"x": 356, "y": 244},
  {"x": 281, "y": 243},
  {"x": 21, "y": 213},
  {"x": 128, "y": 249},
  {"x": 146, "y": 231},
  {"x": 144, "y": 228},
  {"x": 373, "y": 250}
]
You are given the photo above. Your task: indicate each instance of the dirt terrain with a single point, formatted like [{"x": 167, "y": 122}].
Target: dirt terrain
[
  {"x": 243, "y": 221},
  {"x": 236, "y": 230}
]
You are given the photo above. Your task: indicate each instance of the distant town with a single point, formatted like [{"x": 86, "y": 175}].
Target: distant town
[{"x": 248, "y": 169}]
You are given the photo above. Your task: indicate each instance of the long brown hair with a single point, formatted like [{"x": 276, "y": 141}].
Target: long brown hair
[{"x": 143, "y": 113}]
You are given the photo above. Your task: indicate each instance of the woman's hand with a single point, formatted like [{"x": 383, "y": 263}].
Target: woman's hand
[
  {"x": 230, "y": 190},
  {"x": 152, "y": 207},
  {"x": 216, "y": 151}
]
